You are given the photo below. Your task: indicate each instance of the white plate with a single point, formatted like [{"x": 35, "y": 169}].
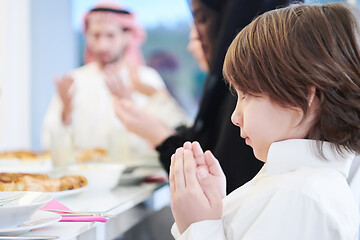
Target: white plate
[
  {"x": 38, "y": 220},
  {"x": 65, "y": 193},
  {"x": 24, "y": 166}
]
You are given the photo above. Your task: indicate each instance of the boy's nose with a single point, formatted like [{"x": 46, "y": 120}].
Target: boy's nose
[{"x": 236, "y": 118}]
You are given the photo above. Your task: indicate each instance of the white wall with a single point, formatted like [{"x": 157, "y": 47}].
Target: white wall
[
  {"x": 352, "y": 2},
  {"x": 53, "y": 52},
  {"x": 15, "y": 74},
  {"x": 37, "y": 41}
]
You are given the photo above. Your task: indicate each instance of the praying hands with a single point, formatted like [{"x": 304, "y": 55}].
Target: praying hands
[
  {"x": 65, "y": 89},
  {"x": 197, "y": 185},
  {"x": 120, "y": 89}
]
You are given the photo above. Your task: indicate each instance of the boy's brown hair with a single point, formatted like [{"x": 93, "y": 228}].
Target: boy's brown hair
[{"x": 285, "y": 51}]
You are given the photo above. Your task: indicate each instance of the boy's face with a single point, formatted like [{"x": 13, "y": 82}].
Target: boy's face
[
  {"x": 263, "y": 122},
  {"x": 106, "y": 40}
]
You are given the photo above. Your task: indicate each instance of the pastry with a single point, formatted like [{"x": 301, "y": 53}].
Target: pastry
[{"x": 39, "y": 182}]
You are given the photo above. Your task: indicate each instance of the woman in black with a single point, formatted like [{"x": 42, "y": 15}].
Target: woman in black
[
  {"x": 218, "y": 22},
  {"x": 218, "y": 103}
]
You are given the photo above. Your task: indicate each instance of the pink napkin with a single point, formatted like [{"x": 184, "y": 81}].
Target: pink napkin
[{"x": 53, "y": 204}]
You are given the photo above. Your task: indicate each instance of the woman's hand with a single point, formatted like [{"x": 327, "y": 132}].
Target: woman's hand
[
  {"x": 192, "y": 200},
  {"x": 141, "y": 123}
]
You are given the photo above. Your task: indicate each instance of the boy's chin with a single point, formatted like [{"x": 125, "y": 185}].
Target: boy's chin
[{"x": 259, "y": 156}]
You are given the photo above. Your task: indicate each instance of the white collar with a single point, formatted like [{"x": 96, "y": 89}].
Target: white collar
[{"x": 288, "y": 155}]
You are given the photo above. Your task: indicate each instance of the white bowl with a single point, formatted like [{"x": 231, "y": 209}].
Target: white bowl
[
  {"x": 16, "y": 207},
  {"x": 100, "y": 176}
]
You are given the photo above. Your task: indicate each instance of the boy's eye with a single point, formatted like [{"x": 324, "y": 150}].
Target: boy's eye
[
  {"x": 241, "y": 94},
  {"x": 244, "y": 95}
]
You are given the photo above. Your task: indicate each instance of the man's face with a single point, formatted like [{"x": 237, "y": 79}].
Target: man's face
[{"x": 106, "y": 40}]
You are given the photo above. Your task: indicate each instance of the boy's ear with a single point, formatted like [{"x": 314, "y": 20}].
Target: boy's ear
[{"x": 311, "y": 95}]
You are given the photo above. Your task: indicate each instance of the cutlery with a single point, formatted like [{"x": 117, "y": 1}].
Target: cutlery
[
  {"x": 7, "y": 200},
  {"x": 78, "y": 213},
  {"x": 29, "y": 237}
]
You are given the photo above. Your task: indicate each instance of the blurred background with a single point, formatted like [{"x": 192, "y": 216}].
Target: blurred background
[{"x": 40, "y": 39}]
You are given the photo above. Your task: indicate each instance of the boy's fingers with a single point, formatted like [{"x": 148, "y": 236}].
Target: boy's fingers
[
  {"x": 179, "y": 169},
  {"x": 209, "y": 188},
  {"x": 171, "y": 175},
  {"x": 187, "y": 145},
  {"x": 190, "y": 168},
  {"x": 212, "y": 164},
  {"x": 198, "y": 153},
  {"x": 202, "y": 170}
]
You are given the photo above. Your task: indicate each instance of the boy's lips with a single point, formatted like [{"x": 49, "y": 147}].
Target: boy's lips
[{"x": 247, "y": 139}]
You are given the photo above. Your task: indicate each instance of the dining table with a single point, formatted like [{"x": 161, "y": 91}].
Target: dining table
[{"x": 126, "y": 206}]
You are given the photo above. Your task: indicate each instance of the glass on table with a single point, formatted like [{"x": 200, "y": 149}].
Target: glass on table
[
  {"x": 119, "y": 145},
  {"x": 61, "y": 148}
]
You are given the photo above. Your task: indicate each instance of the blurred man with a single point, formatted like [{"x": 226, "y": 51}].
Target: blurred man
[{"x": 83, "y": 105}]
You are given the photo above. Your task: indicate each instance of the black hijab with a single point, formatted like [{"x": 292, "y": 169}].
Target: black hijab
[{"x": 213, "y": 128}]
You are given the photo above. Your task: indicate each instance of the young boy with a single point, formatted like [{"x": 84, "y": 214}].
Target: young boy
[{"x": 296, "y": 72}]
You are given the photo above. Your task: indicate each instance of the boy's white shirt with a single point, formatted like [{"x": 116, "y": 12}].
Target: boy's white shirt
[
  {"x": 296, "y": 195},
  {"x": 354, "y": 178},
  {"x": 94, "y": 122}
]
